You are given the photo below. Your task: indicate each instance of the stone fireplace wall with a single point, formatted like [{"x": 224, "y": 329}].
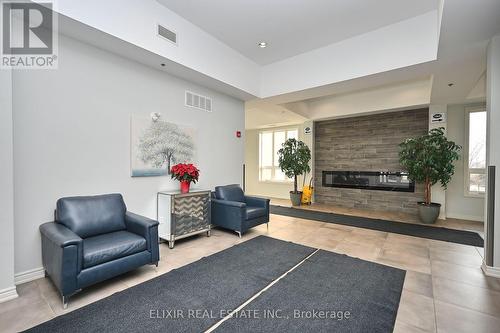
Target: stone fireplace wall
[{"x": 366, "y": 143}]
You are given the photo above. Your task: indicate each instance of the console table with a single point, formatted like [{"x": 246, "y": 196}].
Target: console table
[{"x": 182, "y": 214}]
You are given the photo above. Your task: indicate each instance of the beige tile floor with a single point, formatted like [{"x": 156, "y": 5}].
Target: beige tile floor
[{"x": 444, "y": 290}]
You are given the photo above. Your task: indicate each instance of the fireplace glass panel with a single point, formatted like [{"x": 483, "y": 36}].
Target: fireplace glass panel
[{"x": 370, "y": 180}]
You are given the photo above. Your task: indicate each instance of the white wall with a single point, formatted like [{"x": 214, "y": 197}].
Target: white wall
[
  {"x": 253, "y": 185},
  {"x": 271, "y": 189},
  {"x": 400, "y": 96},
  {"x": 493, "y": 137},
  {"x": 72, "y": 136},
  {"x": 457, "y": 204},
  {"x": 7, "y": 289}
]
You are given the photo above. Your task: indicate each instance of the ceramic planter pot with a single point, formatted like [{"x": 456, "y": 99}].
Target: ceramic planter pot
[
  {"x": 296, "y": 198},
  {"x": 428, "y": 213},
  {"x": 185, "y": 186}
]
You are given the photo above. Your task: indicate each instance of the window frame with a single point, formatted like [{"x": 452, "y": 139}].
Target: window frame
[
  {"x": 467, "y": 170},
  {"x": 273, "y": 167}
]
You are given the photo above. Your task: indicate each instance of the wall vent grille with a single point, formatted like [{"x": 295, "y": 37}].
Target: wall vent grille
[
  {"x": 168, "y": 34},
  {"x": 198, "y": 101}
]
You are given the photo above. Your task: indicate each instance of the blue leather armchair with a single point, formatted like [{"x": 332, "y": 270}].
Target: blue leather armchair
[
  {"x": 232, "y": 209},
  {"x": 93, "y": 239}
]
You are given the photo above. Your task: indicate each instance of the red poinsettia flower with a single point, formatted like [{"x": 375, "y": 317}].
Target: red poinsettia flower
[{"x": 185, "y": 172}]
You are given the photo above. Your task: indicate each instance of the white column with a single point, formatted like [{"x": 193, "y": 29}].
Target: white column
[
  {"x": 493, "y": 142},
  {"x": 438, "y": 193},
  {"x": 308, "y": 139},
  {"x": 7, "y": 287}
]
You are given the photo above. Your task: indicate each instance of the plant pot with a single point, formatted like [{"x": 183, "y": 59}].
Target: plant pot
[
  {"x": 296, "y": 198},
  {"x": 185, "y": 186},
  {"x": 428, "y": 213}
]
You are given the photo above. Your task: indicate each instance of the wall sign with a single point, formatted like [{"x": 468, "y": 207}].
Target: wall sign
[
  {"x": 439, "y": 117},
  {"x": 307, "y": 130}
]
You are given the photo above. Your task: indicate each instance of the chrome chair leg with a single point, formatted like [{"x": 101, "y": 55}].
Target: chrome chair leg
[{"x": 65, "y": 300}]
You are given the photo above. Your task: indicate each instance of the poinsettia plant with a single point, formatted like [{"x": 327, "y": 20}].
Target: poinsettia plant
[{"x": 185, "y": 172}]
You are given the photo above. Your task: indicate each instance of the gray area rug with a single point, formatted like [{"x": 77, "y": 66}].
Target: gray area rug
[
  {"x": 196, "y": 295},
  {"x": 329, "y": 292},
  {"x": 416, "y": 230}
]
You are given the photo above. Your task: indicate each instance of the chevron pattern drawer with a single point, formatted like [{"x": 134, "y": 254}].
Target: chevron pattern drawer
[{"x": 183, "y": 214}]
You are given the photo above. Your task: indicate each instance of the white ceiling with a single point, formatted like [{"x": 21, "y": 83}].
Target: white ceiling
[
  {"x": 466, "y": 28},
  {"x": 269, "y": 115},
  {"x": 292, "y": 27},
  {"x": 391, "y": 60},
  {"x": 461, "y": 61}
]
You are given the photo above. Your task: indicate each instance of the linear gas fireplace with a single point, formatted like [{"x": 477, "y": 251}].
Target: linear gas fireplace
[{"x": 369, "y": 180}]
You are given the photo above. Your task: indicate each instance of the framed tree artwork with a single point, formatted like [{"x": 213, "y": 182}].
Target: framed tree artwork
[{"x": 157, "y": 145}]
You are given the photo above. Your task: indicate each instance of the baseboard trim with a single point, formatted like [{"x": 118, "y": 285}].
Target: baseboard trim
[
  {"x": 491, "y": 271},
  {"x": 30, "y": 275},
  {"x": 7, "y": 294},
  {"x": 465, "y": 217}
]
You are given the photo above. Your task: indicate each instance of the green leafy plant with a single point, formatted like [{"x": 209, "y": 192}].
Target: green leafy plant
[
  {"x": 429, "y": 159},
  {"x": 293, "y": 159}
]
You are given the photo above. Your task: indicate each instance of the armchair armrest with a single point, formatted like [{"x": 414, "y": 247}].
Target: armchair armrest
[
  {"x": 59, "y": 234},
  {"x": 257, "y": 202},
  {"x": 228, "y": 214},
  {"x": 146, "y": 228},
  {"x": 235, "y": 204},
  {"x": 62, "y": 256}
]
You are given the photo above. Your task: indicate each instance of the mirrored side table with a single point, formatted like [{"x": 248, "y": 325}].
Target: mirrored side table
[{"x": 183, "y": 214}]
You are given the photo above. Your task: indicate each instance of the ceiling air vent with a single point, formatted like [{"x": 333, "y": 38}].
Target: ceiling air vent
[
  {"x": 198, "y": 101},
  {"x": 167, "y": 34}
]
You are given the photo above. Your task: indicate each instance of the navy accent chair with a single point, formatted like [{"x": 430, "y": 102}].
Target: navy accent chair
[
  {"x": 93, "y": 239},
  {"x": 232, "y": 209}
]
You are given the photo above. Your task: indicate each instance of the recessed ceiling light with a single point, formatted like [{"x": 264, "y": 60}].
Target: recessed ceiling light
[{"x": 262, "y": 44}]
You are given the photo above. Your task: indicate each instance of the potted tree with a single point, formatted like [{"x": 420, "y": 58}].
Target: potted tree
[
  {"x": 293, "y": 159},
  {"x": 429, "y": 159}
]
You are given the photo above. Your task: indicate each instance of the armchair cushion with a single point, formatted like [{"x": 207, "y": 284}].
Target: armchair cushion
[
  {"x": 230, "y": 193},
  {"x": 255, "y": 212},
  {"x": 107, "y": 247},
  {"x": 92, "y": 215}
]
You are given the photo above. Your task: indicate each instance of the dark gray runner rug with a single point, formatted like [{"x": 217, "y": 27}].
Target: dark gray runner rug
[
  {"x": 416, "y": 230},
  {"x": 328, "y": 292},
  {"x": 200, "y": 292}
]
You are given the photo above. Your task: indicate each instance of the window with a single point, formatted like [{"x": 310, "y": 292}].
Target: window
[
  {"x": 269, "y": 144},
  {"x": 475, "y": 151}
]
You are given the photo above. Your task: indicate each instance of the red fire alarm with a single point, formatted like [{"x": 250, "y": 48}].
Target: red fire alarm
[{"x": 238, "y": 134}]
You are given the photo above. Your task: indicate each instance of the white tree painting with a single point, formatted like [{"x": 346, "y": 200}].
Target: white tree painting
[{"x": 157, "y": 145}]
